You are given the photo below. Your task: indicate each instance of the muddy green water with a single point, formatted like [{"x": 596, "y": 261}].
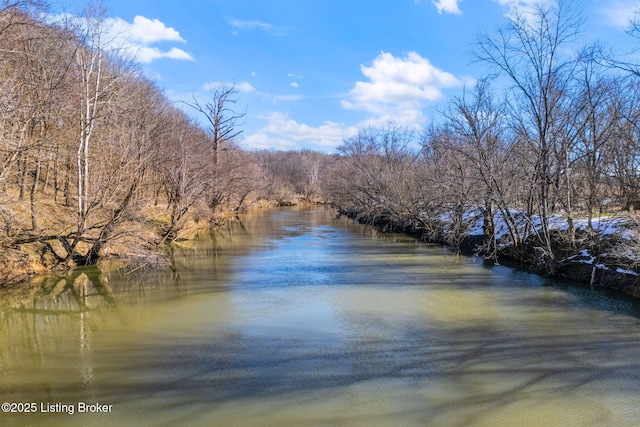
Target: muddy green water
[{"x": 296, "y": 318}]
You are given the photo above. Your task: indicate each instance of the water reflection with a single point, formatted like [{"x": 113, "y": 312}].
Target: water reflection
[{"x": 297, "y": 318}]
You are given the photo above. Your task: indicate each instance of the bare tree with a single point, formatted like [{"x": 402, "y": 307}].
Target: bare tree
[
  {"x": 78, "y": 118},
  {"x": 479, "y": 125},
  {"x": 222, "y": 130},
  {"x": 222, "y": 119},
  {"x": 528, "y": 51},
  {"x": 599, "y": 106},
  {"x": 621, "y": 61},
  {"x": 376, "y": 180},
  {"x": 95, "y": 80},
  {"x": 623, "y": 165},
  {"x": 182, "y": 171}
]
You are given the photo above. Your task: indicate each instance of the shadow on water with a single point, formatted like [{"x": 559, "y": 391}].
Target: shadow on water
[
  {"x": 488, "y": 368},
  {"x": 600, "y": 298}
]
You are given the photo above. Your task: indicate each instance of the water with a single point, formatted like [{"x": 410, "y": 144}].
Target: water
[{"x": 293, "y": 317}]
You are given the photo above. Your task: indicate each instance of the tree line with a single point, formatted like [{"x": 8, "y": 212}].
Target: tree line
[
  {"x": 93, "y": 154},
  {"x": 552, "y": 131},
  {"x": 96, "y": 160}
]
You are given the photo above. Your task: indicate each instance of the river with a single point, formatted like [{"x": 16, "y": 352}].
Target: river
[{"x": 295, "y": 317}]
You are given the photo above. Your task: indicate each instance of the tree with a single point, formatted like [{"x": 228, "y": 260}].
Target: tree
[
  {"x": 478, "y": 125},
  {"x": 377, "y": 180},
  {"x": 77, "y": 118},
  {"x": 600, "y": 108},
  {"x": 183, "y": 166},
  {"x": 623, "y": 159},
  {"x": 527, "y": 50},
  {"x": 94, "y": 83},
  {"x": 222, "y": 119},
  {"x": 222, "y": 129}
]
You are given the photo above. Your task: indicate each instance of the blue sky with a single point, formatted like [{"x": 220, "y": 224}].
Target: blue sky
[{"x": 312, "y": 72}]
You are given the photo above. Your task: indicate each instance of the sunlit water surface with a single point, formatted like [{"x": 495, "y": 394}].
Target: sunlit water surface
[{"x": 295, "y": 318}]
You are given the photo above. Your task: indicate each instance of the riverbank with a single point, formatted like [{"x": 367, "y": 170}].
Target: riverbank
[
  {"x": 607, "y": 256},
  {"x": 603, "y": 258},
  {"x": 137, "y": 242}
]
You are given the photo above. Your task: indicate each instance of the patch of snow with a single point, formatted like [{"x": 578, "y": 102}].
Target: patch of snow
[
  {"x": 584, "y": 253},
  {"x": 629, "y": 272},
  {"x": 604, "y": 225},
  {"x": 473, "y": 223}
]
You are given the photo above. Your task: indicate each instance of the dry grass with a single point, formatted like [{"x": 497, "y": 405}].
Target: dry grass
[{"x": 134, "y": 241}]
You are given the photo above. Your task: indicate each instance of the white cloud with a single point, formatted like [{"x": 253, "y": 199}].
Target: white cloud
[
  {"x": 523, "y": 7},
  {"x": 286, "y": 98},
  {"x": 512, "y": 4},
  {"x": 396, "y": 80},
  {"x": 249, "y": 25},
  {"x": 283, "y": 132},
  {"x": 146, "y": 54},
  {"x": 620, "y": 13},
  {"x": 245, "y": 87},
  {"x": 257, "y": 25},
  {"x": 448, "y": 6},
  {"x": 397, "y": 87},
  {"x": 294, "y": 84},
  {"x": 147, "y": 31},
  {"x": 412, "y": 118},
  {"x": 263, "y": 141},
  {"x": 136, "y": 39},
  {"x": 242, "y": 87}
]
